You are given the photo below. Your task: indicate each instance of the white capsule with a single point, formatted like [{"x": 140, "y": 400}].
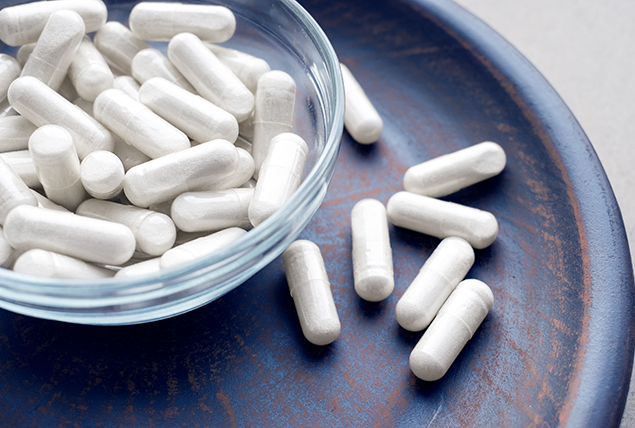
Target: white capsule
[
  {"x": 212, "y": 211},
  {"x": 129, "y": 155},
  {"x": 360, "y": 116},
  {"x": 154, "y": 232},
  {"x": 243, "y": 173},
  {"x": 44, "y": 202},
  {"x": 280, "y": 176},
  {"x": 55, "y": 48},
  {"x": 128, "y": 85},
  {"x": 21, "y": 162},
  {"x": 209, "y": 76},
  {"x": 53, "y": 265},
  {"x": 167, "y": 177},
  {"x": 41, "y": 105},
  {"x": 23, "y": 24},
  {"x": 14, "y": 133},
  {"x": 137, "y": 125},
  {"x": 9, "y": 71},
  {"x": 453, "y": 327},
  {"x": 102, "y": 174},
  {"x": 162, "y": 21},
  {"x": 198, "y": 118},
  {"x": 86, "y": 238},
  {"x": 7, "y": 253},
  {"x": 118, "y": 45},
  {"x": 57, "y": 165},
  {"x": 13, "y": 191},
  {"x": 200, "y": 247},
  {"x": 247, "y": 67},
  {"x": 442, "y": 219},
  {"x": 89, "y": 71},
  {"x": 439, "y": 276},
  {"x": 146, "y": 267},
  {"x": 311, "y": 291},
  {"x": 452, "y": 172},
  {"x": 149, "y": 63},
  {"x": 372, "y": 255},
  {"x": 273, "y": 112}
]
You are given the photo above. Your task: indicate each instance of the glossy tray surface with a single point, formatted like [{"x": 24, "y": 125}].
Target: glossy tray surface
[{"x": 556, "y": 349}]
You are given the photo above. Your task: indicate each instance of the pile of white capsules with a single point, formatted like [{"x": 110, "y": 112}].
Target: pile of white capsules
[
  {"x": 123, "y": 163},
  {"x": 438, "y": 300}
]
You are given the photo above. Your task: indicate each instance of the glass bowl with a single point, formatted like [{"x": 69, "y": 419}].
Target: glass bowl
[{"x": 284, "y": 34}]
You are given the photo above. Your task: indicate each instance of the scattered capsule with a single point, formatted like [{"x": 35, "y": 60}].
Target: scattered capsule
[
  {"x": 128, "y": 85},
  {"x": 273, "y": 112},
  {"x": 118, "y": 45},
  {"x": 89, "y": 71},
  {"x": 280, "y": 176},
  {"x": 13, "y": 191},
  {"x": 311, "y": 291},
  {"x": 243, "y": 173},
  {"x": 21, "y": 163},
  {"x": 15, "y": 132},
  {"x": 137, "y": 125},
  {"x": 450, "y": 173},
  {"x": 149, "y": 63},
  {"x": 9, "y": 71},
  {"x": 442, "y": 219},
  {"x": 360, "y": 116},
  {"x": 154, "y": 232},
  {"x": 41, "y": 105},
  {"x": 102, "y": 174},
  {"x": 439, "y": 276},
  {"x": 372, "y": 255},
  {"x": 55, "y": 49},
  {"x": 53, "y": 265},
  {"x": 209, "y": 76},
  {"x": 88, "y": 239},
  {"x": 453, "y": 327},
  {"x": 198, "y": 118},
  {"x": 199, "y": 247},
  {"x": 162, "y": 21},
  {"x": 212, "y": 211}
]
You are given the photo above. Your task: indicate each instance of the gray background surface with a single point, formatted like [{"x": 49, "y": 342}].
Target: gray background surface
[{"x": 586, "y": 50}]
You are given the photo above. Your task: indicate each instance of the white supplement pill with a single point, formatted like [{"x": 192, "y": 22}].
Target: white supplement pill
[
  {"x": 86, "y": 238},
  {"x": 198, "y": 118},
  {"x": 311, "y": 291},
  {"x": 129, "y": 155},
  {"x": 13, "y": 191},
  {"x": 146, "y": 267},
  {"x": 150, "y": 63},
  {"x": 280, "y": 176},
  {"x": 118, "y": 45},
  {"x": 89, "y": 71},
  {"x": 102, "y": 174},
  {"x": 201, "y": 247},
  {"x": 15, "y": 132},
  {"x": 162, "y": 21},
  {"x": 44, "y": 202},
  {"x": 41, "y": 105},
  {"x": 57, "y": 165},
  {"x": 273, "y": 112},
  {"x": 128, "y": 85},
  {"x": 55, "y": 48},
  {"x": 247, "y": 67},
  {"x": 24, "y": 23},
  {"x": 137, "y": 125},
  {"x": 7, "y": 253},
  {"x": 53, "y": 265},
  {"x": 165, "y": 178},
  {"x": 450, "y": 173},
  {"x": 212, "y": 211},
  {"x": 453, "y": 327},
  {"x": 21, "y": 162},
  {"x": 360, "y": 116},
  {"x": 9, "y": 71},
  {"x": 209, "y": 76},
  {"x": 439, "y": 276},
  {"x": 243, "y": 173},
  {"x": 372, "y": 255},
  {"x": 154, "y": 232},
  {"x": 442, "y": 219}
]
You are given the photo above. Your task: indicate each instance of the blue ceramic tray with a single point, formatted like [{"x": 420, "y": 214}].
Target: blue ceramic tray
[{"x": 556, "y": 349}]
